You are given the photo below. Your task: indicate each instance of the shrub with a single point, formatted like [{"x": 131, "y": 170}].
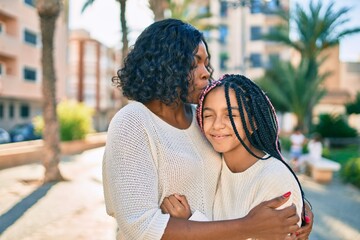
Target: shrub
[
  {"x": 334, "y": 126},
  {"x": 354, "y": 107},
  {"x": 350, "y": 172},
  {"x": 75, "y": 120}
]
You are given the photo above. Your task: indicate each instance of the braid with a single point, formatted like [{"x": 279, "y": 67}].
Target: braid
[{"x": 263, "y": 132}]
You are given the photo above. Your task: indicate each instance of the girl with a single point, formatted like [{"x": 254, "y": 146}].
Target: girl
[{"x": 240, "y": 122}]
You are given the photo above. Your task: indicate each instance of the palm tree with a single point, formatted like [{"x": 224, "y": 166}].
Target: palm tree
[
  {"x": 317, "y": 30},
  {"x": 48, "y": 11},
  {"x": 188, "y": 11},
  {"x": 158, "y": 7},
  {"x": 290, "y": 91},
  {"x": 123, "y": 24}
]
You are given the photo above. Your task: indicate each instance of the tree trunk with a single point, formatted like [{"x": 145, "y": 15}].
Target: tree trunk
[
  {"x": 124, "y": 30},
  {"x": 158, "y": 7},
  {"x": 48, "y": 11}
]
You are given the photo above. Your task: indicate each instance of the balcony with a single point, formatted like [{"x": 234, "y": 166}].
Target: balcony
[
  {"x": 9, "y": 7},
  {"x": 9, "y": 46},
  {"x": 14, "y": 87}
]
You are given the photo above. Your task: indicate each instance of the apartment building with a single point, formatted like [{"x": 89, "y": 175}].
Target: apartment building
[
  {"x": 237, "y": 45},
  {"x": 20, "y": 61},
  {"x": 91, "y": 68}
]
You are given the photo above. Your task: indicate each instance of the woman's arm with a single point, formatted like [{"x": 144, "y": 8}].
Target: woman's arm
[{"x": 263, "y": 221}]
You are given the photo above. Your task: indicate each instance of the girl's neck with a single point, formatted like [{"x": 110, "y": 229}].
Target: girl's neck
[
  {"x": 176, "y": 115},
  {"x": 241, "y": 160}
]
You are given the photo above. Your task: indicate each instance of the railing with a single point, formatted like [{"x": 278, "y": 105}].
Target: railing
[{"x": 341, "y": 142}]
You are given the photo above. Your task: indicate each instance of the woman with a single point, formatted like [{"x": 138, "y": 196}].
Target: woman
[{"x": 155, "y": 148}]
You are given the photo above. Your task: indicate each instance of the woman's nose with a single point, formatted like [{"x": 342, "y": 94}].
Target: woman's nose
[{"x": 205, "y": 74}]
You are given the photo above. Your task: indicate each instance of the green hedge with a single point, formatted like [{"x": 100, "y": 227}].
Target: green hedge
[
  {"x": 75, "y": 120},
  {"x": 350, "y": 172}
]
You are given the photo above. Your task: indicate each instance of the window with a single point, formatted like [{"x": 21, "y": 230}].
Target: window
[
  {"x": 24, "y": 111},
  {"x": 11, "y": 110},
  {"x": 223, "y": 34},
  {"x": 30, "y": 37},
  {"x": 29, "y": 74},
  {"x": 256, "y": 6},
  {"x": 255, "y": 59},
  {"x": 30, "y": 2},
  {"x": 1, "y": 111},
  {"x": 223, "y": 9},
  {"x": 255, "y": 33}
]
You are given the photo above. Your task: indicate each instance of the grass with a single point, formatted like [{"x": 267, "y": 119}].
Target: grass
[{"x": 342, "y": 155}]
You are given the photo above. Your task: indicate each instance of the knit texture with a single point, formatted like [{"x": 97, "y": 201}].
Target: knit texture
[
  {"x": 238, "y": 193},
  {"x": 147, "y": 159}
]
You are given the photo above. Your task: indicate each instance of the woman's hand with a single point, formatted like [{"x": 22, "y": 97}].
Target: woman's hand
[
  {"x": 177, "y": 206},
  {"x": 269, "y": 223}
]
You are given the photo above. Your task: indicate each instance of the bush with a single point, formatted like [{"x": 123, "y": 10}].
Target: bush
[
  {"x": 350, "y": 172},
  {"x": 75, "y": 120},
  {"x": 334, "y": 126}
]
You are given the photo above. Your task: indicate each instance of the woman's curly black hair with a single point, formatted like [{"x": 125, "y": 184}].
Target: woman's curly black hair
[{"x": 159, "y": 67}]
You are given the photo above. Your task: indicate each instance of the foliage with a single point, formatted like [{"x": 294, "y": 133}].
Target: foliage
[
  {"x": 317, "y": 29},
  {"x": 285, "y": 144},
  {"x": 290, "y": 91},
  {"x": 75, "y": 120},
  {"x": 350, "y": 172},
  {"x": 334, "y": 126},
  {"x": 191, "y": 12},
  {"x": 354, "y": 107}
]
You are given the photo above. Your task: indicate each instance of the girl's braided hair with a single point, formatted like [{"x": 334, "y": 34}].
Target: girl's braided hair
[{"x": 263, "y": 132}]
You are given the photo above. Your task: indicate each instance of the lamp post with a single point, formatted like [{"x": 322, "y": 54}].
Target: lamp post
[{"x": 243, "y": 4}]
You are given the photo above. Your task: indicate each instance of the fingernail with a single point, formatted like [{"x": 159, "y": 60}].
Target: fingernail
[
  {"x": 286, "y": 195},
  {"x": 307, "y": 219}
]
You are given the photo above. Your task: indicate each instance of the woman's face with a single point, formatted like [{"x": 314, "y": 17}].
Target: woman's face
[
  {"x": 217, "y": 125},
  {"x": 200, "y": 74}
]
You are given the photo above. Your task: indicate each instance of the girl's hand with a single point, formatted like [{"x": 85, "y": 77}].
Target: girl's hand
[{"x": 177, "y": 206}]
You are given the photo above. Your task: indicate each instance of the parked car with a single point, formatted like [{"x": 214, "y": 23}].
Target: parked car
[
  {"x": 23, "y": 132},
  {"x": 4, "y": 136}
]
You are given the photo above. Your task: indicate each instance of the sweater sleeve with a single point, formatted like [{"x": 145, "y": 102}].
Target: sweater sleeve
[
  {"x": 276, "y": 181},
  {"x": 130, "y": 179}
]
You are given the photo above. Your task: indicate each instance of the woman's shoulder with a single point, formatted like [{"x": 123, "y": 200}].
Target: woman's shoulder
[{"x": 133, "y": 113}]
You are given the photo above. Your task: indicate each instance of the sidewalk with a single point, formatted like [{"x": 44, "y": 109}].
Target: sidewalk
[
  {"x": 74, "y": 209},
  {"x": 70, "y": 210}
]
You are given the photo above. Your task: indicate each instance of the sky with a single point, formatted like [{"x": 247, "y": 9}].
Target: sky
[{"x": 102, "y": 21}]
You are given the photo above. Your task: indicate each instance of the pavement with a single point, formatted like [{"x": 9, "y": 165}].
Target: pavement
[{"x": 75, "y": 210}]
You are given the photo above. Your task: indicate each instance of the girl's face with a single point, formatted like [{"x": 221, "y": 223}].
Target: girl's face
[
  {"x": 201, "y": 74},
  {"x": 217, "y": 124}
]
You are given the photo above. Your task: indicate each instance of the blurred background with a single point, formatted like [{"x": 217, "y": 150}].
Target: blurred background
[{"x": 305, "y": 54}]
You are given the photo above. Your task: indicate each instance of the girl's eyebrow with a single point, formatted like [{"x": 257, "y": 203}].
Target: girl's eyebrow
[{"x": 210, "y": 109}]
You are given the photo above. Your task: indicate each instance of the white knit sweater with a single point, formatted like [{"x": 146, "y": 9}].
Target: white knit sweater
[
  {"x": 238, "y": 193},
  {"x": 147, "y": 159}
]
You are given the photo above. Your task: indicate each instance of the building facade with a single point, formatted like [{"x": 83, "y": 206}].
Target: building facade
[
  {"x": 91, "y": 68},
  {"x": 237, "y": 45},
  {"x": 20, "y": 61}
]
